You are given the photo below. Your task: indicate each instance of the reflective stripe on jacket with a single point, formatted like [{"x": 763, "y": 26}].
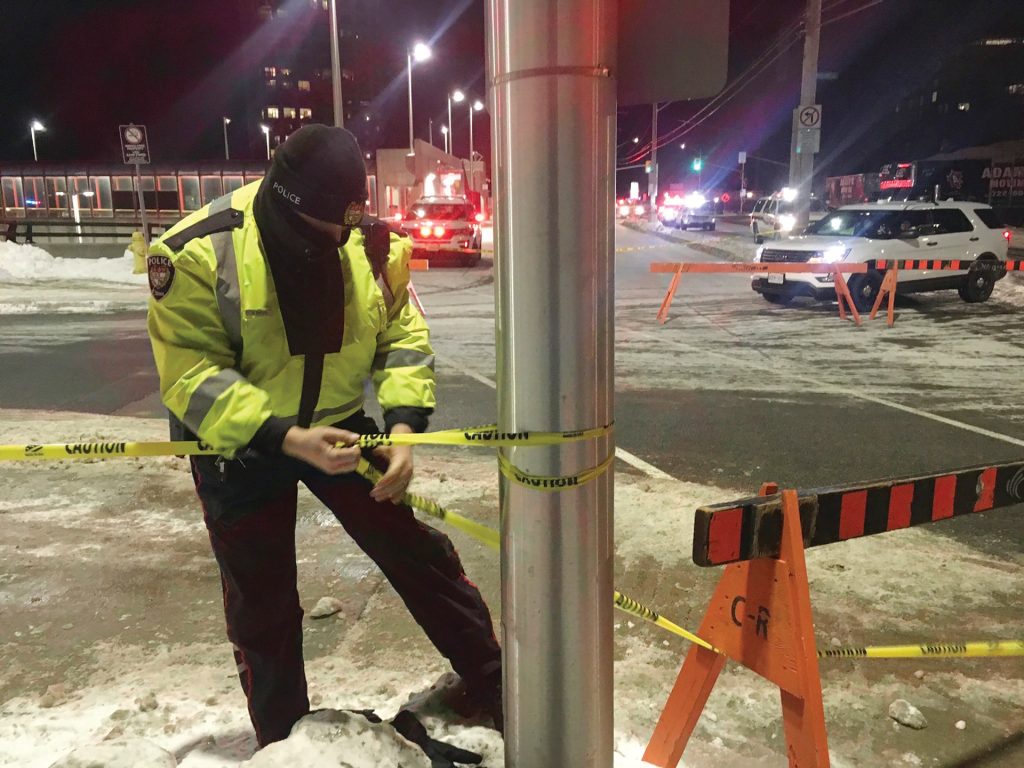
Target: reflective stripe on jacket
[{"x": 219, "y": 340}]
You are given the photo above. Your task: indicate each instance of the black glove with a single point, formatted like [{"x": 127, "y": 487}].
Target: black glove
[
  {"x": 441, "y": 755},
  {"x": 376, "y": 243}
]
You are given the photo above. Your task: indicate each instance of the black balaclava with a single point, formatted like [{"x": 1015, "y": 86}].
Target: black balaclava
[{"x": 317, "y": 171}]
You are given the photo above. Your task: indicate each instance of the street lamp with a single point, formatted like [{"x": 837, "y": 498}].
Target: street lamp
[
  {"x": 683, "y": 145},
  {"x": 227, "y": 152},
  {"x": 477, "y": 106},
  {"x": 36, "y": 126},
  {"x": 636, "y": 139},
  {"x": 420, "y": 52},
  {"x": 458, "y": 97},
  {"x": 444, "y": 132},
  {"x": 266, "y": 136}
]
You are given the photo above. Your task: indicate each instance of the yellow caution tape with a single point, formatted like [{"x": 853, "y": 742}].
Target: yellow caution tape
[
  {"x": 102, "y": 450},
  {"x": 481, "y": 436},
  {"x": 978, "y": 649},
  {"x": 551, "y": 482},
  {"x": 641, "y": 611},
  {"x": 484, "y": 436},
  {"x": 480, "y": 532}
]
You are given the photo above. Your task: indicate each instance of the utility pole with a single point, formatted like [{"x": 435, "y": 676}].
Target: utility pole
[
  {"x": 339, "y": 108},
  {"x": 802, "y": 148},
  {"x": 652, "y": 187},
  {"x": 552, "y": 110}
]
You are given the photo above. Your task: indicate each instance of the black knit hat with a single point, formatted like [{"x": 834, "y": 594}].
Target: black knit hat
[{"x": 319, "y": 171}]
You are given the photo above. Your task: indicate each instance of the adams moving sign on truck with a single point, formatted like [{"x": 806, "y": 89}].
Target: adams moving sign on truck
[{"x": 1005, "y": 184}]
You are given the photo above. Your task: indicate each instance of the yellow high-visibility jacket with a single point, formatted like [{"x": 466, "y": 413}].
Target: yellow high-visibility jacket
[{"x": 219, "y": 340}]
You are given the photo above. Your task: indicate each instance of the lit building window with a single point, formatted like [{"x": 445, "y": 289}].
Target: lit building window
[
  {"x": 303, "y": 85},
  {"x": 271, "y": 82},
  {"x": 285, "y": 72},
  {"x": 964, "y": 106},
  {"x": 286, "y": 83},
  {"x": 935, "y": 96},
  {"x": 1017, "y": 89},
  {"x": 323, "y": 4},
  {"x": 1000, "y": 41},
  {"x": 270, "y": 71},
  {"x": 271, "y": 113},
  {"x": 305, "y": 113},
  {"x": 288, "y": 113}
]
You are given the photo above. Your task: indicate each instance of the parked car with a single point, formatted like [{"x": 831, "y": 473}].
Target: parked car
[
  {"x": 866, "y": 232},
  {"x": 444, "y": 229},
  {"x": 697, "y": 213},
  {"x": 773, "y": 216}
]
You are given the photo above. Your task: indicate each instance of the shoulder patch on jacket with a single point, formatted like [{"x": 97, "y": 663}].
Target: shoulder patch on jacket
[
  {"x": 161, "y": 275},
  {"x": 222, "y": 221}
]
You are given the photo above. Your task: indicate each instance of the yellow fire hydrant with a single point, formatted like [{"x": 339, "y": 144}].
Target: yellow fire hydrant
[{"x": 140, "y": 250}]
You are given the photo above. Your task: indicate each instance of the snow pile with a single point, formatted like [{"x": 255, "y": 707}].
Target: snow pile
[{"x": 20, "y": 262}]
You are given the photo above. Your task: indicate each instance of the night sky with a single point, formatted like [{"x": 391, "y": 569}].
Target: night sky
[{"x": 84, "y": 67}]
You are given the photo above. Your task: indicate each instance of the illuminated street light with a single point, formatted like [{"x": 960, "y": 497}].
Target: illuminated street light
[
  {"x": 458, "y": 97},
  {"x": 476, "y": 107},
  {"x": 683, "y": 145},
  {"x": 636, "y": 139},
  {"x": 444, "y": 132},
  {"x": 36, "y": 126},
  {"x": 266, "y": 135},
  {"x": 227, "y": 152},
  {"x": 419, "y": 53}
]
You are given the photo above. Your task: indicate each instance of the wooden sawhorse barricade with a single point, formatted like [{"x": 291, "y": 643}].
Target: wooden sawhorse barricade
[
  {"x": 760, "y": 613},
  {"x": 843, "y": 296},
  {"x": 891, "y": 268}
]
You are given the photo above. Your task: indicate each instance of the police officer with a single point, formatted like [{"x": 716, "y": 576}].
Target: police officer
[{"x": 270, "y": 309}]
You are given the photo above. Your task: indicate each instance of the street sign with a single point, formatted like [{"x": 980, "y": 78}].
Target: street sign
[
  {"x": 671, "y": 50},
  {"x": 134, "y": 144},
  {"x": 809, "y": 115},
  {"x": 743, "y": 158}
]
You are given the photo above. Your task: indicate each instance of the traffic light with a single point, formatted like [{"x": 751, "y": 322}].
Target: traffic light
[
  {"x": 698, "y": 163},
  {"x": 647, "y": 166}
]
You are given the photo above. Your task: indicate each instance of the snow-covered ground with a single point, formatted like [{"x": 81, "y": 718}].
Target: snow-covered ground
[{"x": 66, "y": 286}]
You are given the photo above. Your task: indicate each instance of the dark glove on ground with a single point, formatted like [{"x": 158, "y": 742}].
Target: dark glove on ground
[{"x": 441, "y": 755}]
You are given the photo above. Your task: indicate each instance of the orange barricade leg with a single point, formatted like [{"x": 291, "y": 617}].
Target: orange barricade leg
[
  {"x": 663, "y": 312},
  {"x": 888, "y": 287},
  {"x": 843, "y": 295},
  {"x": 760, "y": 616}
]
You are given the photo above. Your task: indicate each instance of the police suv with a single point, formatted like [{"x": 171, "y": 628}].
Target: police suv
[{"x": 866, "y": 232}]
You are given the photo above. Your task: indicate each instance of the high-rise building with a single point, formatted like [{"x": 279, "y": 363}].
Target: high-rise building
[{"x": 293, "y": 83}]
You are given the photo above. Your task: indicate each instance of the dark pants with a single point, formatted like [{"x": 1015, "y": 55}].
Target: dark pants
[{"x": 250, "y": 514}]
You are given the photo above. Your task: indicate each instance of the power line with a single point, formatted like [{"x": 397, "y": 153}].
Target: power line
[{"x": 733, "y": 89}]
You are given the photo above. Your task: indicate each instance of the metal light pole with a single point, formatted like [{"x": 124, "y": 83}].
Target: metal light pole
[
  {"x": 430, "y": 131},
  {"x": 227, "y": 151},
  {"x": 553, "y": 130},
  {"x": 457, "y": 96},
  {"x": 266, "y": 136},
  {"x": 444, "y": 132},
  {"x": 477, "y": 106},
  {"x": 35, "y": 126},
  {"x": 652, "y": 187},
  {"x": 339, "y": 116},
  {"x": 420, "y": 52}
]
